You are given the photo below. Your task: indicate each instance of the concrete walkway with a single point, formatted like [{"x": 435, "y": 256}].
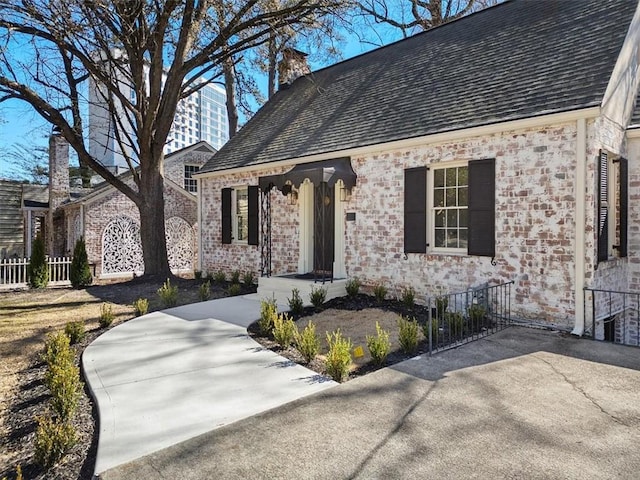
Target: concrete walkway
[
  {"x": 169, "y": 376},
  {"x": 522, "y": 404}
]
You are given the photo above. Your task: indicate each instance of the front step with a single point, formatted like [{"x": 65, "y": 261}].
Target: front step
[{"x": 280, "y": 288}]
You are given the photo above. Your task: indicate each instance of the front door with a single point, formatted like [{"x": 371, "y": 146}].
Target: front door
[{"x": 323, "y": 231}]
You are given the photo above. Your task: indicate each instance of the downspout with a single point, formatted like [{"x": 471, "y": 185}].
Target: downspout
[
  {"x": 199, "y": 220},
  {"x": 580, "y": 234}
]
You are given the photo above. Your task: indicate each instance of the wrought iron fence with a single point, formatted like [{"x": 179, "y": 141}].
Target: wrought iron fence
[
  {"x": 612, "y": 316},
  {"x": 458, "y": 318},
  {"x": 14, "y": 271}
]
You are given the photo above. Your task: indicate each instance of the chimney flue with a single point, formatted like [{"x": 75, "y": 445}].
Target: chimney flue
[{"x": 292, "y": 66}]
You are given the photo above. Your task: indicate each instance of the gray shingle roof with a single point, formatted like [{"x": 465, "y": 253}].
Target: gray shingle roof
[{"x": 516, "y": 60}]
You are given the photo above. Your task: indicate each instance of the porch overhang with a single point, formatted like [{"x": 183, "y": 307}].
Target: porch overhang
[{"x": 329, "y": 171}]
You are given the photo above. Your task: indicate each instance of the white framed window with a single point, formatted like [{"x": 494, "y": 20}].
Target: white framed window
[
  {"x": 240, "y": 214},
  {"x": 190, "y": 183},
  {"x": 448, "y": 203}
]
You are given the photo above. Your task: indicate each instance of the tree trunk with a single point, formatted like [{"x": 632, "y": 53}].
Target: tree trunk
[
  {"x": 272, "y": 65},
  {"x": 230, "y": 87},
  {"x": 154, "y": 243}
]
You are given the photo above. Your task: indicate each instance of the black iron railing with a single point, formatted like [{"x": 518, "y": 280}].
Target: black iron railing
[
  {"x": 458, "y": 318},
  {"x": 612, "y": 316}
]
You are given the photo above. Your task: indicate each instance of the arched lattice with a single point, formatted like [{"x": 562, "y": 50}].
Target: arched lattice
[
  {"x": 180, "y": 244},
  {"x": 121, "y": 246}
]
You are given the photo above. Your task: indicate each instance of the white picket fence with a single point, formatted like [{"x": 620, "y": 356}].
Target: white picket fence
[{"x": 13, "y": 272}]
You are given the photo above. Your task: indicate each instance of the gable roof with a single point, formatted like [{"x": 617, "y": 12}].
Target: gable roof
[{"x": 516, "y": 60}]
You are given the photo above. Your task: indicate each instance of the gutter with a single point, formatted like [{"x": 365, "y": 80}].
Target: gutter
[{"x": 580, "y": 234}]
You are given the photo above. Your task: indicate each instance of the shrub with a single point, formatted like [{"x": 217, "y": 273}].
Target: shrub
[
  {"x": 219, "y": 277},
  {"x": 234, "y": 289},
  {"x": 284, "y": 330},
  {"x": 318, "y": 296},
  {"x": 235, "y": 276},
  {"x": 75, "y": 331},
  {"x": 409, "y": 297},
  {"x": 38, "y": 269},
  {"x": 307, "y": 342},
  {"x": 80, "y": 273},
  {"x": 379, "y": 345},
  {"x": 204, "y": 292},
  {"x": 455, "y": 321},
  {"x": 168, "y": 294},
  {"x": 63, "y": 379},
  {"x": 248, "y": 278},
  {"x": 54, "y": 438},
  {"x": 408, "y": 334},
  {"x": 442, "y": 303},
  {"x": 268, "y": 311},
  {"x": 476, "y": 313},
  {"x": 296, "y": 305},
  {"x": 338, "y": 358},
  {"x": 56, "y": 349},
  {"x": 353, "y": 287},
  {"x": 140, "y": 307},
  {"x": 106, "y": 315},
  {"x": 197, "y": 274},
  {"x": 435, "y": 331},
  {"x": 380, "y": 292}
]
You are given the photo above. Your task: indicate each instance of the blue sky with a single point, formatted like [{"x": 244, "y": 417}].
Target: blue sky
[{"x": 19, "y": 124}]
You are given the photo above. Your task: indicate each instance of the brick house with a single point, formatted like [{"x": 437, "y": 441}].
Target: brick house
[
  {"x": 493, "y": 148},
  {"x": 110, "y": 222}
]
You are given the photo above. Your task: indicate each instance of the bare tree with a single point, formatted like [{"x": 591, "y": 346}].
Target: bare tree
[
  {"x": 411, "y": 16},
  {"x": 161, "y": 49}
]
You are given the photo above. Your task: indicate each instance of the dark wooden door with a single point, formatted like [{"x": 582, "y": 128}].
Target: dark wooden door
[{"x": 323, "y": 231}]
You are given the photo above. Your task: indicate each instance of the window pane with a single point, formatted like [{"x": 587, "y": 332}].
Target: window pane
[
  {"x": 439, "y": 237},
  {"x": 463, "y": 217},
  {"x": 463, "y": 196},
  {"x": 452, "y": 238},
  {"x": 463, "y": 176},
  {"x": 452, "y": 218},
  {"x": 462, "y": 235},
  {"x": 438, "y": 178},
  {"x": 242, "y": 213},
  {"x": 438, "y": 198},
  {"x": 451, "y": 197},
  {"x": 451, "y": 177},
  {"x": 439, "y": 221}
]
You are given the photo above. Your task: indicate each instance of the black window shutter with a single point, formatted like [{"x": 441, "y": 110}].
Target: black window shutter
[
  {"x": 226, "y": 215},
  {"x": 603, "y": 208},
  {"x": 482, "y": 207},
  {"x": 415, "y": 210},
  {"x": 253, "y": 194},
  {"x": 624, "y": 192}
]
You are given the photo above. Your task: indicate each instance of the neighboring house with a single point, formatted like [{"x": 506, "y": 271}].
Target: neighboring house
[
  {"x": 110, "y": 222},
  {"x": 490, "y": 149},
  {"x": 23, "y": 209}
]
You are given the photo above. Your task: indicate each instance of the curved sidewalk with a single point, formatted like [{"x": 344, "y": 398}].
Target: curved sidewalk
[{"x": 171, "y": 375}]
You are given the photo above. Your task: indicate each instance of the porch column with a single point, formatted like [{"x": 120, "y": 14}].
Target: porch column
[
  {"x": 339, "y": 269},
  {"x": 305, "y": 216}
]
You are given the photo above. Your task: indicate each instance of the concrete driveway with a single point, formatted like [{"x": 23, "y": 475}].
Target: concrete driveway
[
  {"x": 520, "y": 404},
  {"x": 169, "y": 376}
]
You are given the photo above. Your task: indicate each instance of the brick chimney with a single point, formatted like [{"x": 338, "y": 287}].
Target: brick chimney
[
  {"x": 58, "y": 191},
  {"x": 292, "y": 66}
]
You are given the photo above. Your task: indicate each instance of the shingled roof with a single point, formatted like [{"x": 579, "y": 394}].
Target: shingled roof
[{"x": 516, "y": 60}]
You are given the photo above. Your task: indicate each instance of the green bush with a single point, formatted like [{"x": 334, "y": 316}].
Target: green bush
[
  {"x": 168, "y": 294},
  {"x": 38, "y": 270},
  {"x": 455, "y": 321},
  {"x": 435, "y": 331},
  {"x": 219, "y": 277},
  {"x": 235, "y": 276},
  {"x": 408, "y": 334},
  {"x": 204, "y": 292},
  {"x": 353, "y": 287},
  {"x": 409, "y": 297},
  {"x": 338, "y": 358},
  {"x": 442, "y": 302},
  {"x": 308, "y": 343},
  {"x": 63, "y": 380},
  {"x": 57, "y": 349},
  {"x": 80, "y": 273},
  {"x": 234, "y": 289},
  {"x": 268, "y": 311},
  {"x": 476, "y": 314},
  {"x": 248, "y": 278},
  {"x": 296, "y": 304},
  {"x": 318, "y": 296},
  {"x": 284, "y": 330},
  {"x": 54, "y": 438},
  {"x": 197, "y": 274},
  {"x": 380, "y": 292},
  {"x": 140, "y": 307},
  {"x": 75, "y": 331},
  {"x": 106, "y": 315},
  {"x": 379, "y": 345}
]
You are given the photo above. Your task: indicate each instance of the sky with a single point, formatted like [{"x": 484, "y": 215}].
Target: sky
[{"x": 19, "y": 124}]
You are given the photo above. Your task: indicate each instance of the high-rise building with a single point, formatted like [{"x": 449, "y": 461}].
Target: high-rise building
[{"x": 201, "y": 116}]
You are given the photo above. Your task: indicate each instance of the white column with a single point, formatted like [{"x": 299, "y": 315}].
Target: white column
[
  {"x": 339, "y": 270},
  {"x": 305, "y": 219}
]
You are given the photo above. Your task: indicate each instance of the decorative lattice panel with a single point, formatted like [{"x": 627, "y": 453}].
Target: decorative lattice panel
[
  {"x": 180, "y": 244},
  {"x": 121, "y": 246}
]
